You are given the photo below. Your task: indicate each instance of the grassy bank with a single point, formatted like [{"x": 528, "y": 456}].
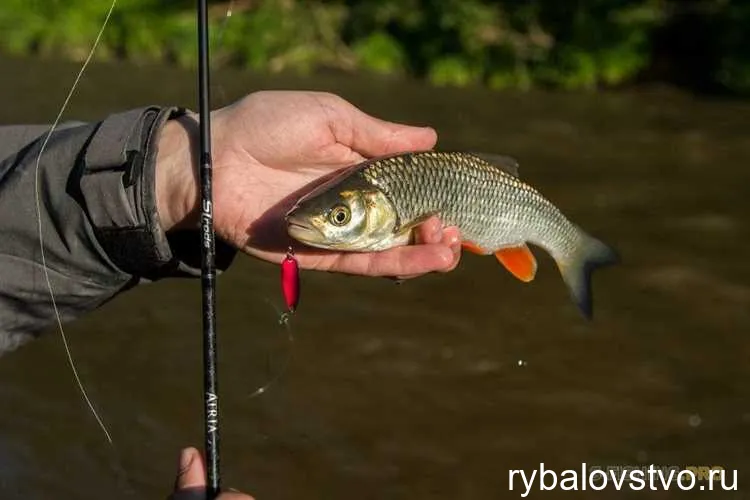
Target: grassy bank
[{"x": 501, "y": 44}]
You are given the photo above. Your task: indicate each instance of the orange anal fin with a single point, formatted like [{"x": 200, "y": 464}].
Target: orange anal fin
[
  {"x": 474, "y": 248},
  {"x": 519, "y": 261}
]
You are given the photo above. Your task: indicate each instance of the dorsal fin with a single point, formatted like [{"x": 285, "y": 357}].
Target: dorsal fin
[{"x": 504, "y": 162}]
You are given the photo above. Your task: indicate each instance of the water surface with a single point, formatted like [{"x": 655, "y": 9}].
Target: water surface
[{"x": 416, "y": 391}]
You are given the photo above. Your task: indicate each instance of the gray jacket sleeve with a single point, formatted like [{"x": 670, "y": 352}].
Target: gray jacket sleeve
[{"x": 96, "y": 229}]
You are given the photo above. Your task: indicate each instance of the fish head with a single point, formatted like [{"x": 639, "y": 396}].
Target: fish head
[{"x": 351, "y": 215}]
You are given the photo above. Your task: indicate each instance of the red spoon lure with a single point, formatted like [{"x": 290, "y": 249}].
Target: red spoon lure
[{"x": 290, "y": 282}]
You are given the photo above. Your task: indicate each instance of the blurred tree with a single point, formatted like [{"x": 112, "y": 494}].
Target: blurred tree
[{"x": 569, "y": 44}]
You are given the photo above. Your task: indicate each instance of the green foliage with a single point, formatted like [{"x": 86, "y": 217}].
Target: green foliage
[
  {"x": 380, "y": 52},
  {"x": 599, "y": 42},
  {"x": 60, "y": 27},
  {"x": 734, "y": 65},
  {"x": 68, "y": 28},
  {"x": 453, "y": 70},
  {"x": 514, "y": 43},
  {"x": 280, "y": 35},
  {"x": 576, "y": 44}
]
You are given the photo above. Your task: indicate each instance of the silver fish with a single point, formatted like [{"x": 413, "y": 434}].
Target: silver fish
[{"x": 375, "y": 205}]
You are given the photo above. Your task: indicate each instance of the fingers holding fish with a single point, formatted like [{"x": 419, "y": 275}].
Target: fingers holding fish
[
  {"x": 371, "y": 136},
  {"x": 432, "y": 232},
  {"x": 429, "y": 232},
  {"x": 404, "y": 262},
  {"x": 452, "y": 238}
]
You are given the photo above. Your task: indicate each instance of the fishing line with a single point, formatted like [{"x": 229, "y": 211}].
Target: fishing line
[
  {"x": 55, "y": 124},
  {"x": 219, "y": 40},
  {"x": 122, "y": 477},
  {"x": 283, "y": 317},
  {"x": 212, "y": 451}
]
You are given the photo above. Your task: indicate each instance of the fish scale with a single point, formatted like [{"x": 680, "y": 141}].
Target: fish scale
[{"x": 493, "y": 208}]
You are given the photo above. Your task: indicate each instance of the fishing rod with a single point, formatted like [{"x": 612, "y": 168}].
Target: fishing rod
[
  {"x": 289, "y": 266},
  {"x": 208, "y": 264}
]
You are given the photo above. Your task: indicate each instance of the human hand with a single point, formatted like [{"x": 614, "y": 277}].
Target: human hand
[
  {"x": 191, "y": 480},
  {"x": 270, "y": 148}
]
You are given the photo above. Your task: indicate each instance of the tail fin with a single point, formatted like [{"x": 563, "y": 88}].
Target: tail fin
[{"x": 576, "y": 271}]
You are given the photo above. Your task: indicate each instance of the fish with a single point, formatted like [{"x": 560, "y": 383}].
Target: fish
[{"x": 376, "y": 205}]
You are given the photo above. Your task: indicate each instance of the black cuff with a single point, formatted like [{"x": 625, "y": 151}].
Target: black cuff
[{"x": 118, "y": 184}]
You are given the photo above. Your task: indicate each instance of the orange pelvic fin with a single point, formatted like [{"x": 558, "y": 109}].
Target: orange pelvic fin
[
  {"x": 519, "y": 261},
  {"x": 474, "y": 248}
]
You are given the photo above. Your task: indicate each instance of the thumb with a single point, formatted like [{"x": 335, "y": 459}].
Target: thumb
[
  {"x": 192, "y": 471},
  {"x": 370, "y": 136}
]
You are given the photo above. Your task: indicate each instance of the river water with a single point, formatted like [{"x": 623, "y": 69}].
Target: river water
[{"x": 436, "y": 388}]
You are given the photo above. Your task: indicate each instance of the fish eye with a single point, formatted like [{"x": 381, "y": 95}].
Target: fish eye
[{"x": 340, "y": 215}]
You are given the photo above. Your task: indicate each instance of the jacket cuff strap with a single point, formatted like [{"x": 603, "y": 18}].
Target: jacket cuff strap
[{"x": 118, "y": 184}]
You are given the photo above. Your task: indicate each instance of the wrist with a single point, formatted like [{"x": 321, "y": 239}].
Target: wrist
[{"x": 177, "y": 173}]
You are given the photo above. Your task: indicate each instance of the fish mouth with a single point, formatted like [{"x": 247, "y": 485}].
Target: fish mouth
[{"x": 301, "y": 230}]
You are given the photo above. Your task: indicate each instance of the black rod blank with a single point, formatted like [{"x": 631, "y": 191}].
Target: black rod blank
[{"x": 208, "y": 266}]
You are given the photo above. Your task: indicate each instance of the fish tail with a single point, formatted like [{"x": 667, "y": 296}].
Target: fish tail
[{"x": 576, "y": 270}]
